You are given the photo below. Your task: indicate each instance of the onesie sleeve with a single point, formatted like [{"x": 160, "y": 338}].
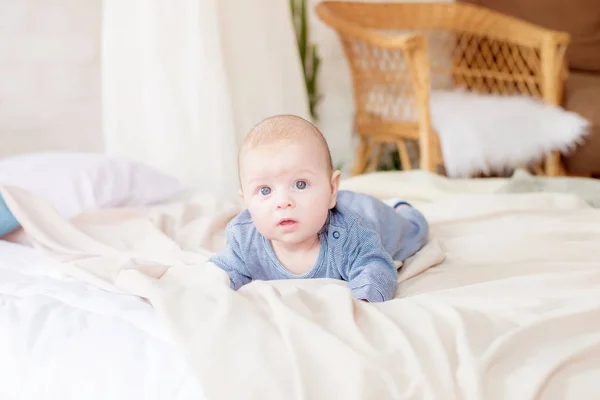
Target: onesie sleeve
[
  {"x": 371, "y": 272},
  {"x": 231, "y": 259}
]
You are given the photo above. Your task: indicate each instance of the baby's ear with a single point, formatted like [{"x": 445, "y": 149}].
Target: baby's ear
[{"x": 335, "y": 184}]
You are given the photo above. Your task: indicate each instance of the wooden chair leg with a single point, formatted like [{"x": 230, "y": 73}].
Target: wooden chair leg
[
  {"x": 403, "y": 153},
  {"x": 361, "y": 157},
  {"x": 553, "y": 165},
  {"x": 376, "y": 157},
  {"x": 537, "y": 169},
  {"x": 427, "y": 154}
]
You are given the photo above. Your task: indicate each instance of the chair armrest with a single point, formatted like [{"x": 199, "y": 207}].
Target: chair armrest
[{"x": 346, "y": 27}]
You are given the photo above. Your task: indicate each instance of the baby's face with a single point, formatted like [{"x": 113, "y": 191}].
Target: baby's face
[{"x": 288, "y": 190}]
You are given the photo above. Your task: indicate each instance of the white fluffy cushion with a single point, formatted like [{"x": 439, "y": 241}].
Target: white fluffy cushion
[
  {"x": 481, "y": 133},
  {"x": 75, "y": 182}
]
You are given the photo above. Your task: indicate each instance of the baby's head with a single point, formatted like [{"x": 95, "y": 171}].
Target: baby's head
[{"x": 287, "y": 179}]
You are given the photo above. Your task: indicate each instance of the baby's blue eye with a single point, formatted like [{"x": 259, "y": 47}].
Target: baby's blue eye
[
  {"x": 301, "y": 185},
  {"x": 265, "y": 190}
]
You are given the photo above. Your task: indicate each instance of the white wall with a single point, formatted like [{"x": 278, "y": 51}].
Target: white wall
[
  {"x": 50, "y": 78},
  {"x": 336, "y": 107},
  {"x": 49, "y": 75}
]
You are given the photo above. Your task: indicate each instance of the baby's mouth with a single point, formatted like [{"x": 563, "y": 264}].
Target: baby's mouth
[{"x": 287, "y": 222}]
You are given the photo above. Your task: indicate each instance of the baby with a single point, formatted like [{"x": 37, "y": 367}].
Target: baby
[{"x": 297, "y": 224}]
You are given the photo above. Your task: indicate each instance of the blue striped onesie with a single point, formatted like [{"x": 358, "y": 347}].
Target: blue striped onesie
[{"x": 359, "y": 242}]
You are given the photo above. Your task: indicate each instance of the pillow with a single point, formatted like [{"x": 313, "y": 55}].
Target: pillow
[
  {"x": 76, "y": 182},
  {"x": 8, "y": 223},
  {"x": 493, "y": 133}
]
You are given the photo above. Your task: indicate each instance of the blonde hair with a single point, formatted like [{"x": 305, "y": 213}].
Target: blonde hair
[{"x": 282, "y": 128}]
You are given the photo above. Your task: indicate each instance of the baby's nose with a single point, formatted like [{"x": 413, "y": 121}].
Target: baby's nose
[{"x": 285, "y": 202}]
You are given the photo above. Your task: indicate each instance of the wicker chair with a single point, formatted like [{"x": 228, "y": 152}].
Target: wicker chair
[{"x": 398, "y": 52}]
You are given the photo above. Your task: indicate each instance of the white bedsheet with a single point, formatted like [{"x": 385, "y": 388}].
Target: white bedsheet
[
  {"x": 503, "y": 303},
  {"x": 61, "y": 338}
]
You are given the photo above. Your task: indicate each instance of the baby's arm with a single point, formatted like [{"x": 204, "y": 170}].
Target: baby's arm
[
  {"x": 231, "y": 260},
  {"x": 371, "y": 272}
]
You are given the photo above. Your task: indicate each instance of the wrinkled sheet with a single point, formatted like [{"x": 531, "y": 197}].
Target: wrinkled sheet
[
  {"x": 502, "y": 303},
  {"x": 64, "y": 339}
]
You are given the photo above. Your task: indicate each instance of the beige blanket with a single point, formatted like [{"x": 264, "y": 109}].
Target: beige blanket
[{"x": 503, "y": 303}]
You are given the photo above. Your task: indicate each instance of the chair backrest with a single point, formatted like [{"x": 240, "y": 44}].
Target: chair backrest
[{"x": 469, "y": 47}]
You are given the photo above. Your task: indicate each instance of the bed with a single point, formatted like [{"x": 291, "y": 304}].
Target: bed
[
  {"x": 65, "y": 339},
  {"x": 61, "y": 337},
  {"x": 502, "y": 303}
]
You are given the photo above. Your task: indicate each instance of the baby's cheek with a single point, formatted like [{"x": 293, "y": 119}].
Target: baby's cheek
[
  {"x": 262, "y": 226},
  {"x": 266, "y": 226},
  {"x": 316, "y": 219}
]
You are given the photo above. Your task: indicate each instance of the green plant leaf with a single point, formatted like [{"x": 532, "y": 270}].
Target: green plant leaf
[{"x": 308, "y": 53}]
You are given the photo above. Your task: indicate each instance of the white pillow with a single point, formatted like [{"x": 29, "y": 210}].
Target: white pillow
[{"x": 76, "y": 182}]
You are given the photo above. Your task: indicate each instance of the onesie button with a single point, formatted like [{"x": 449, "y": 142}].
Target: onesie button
[{"x": 336, "y": 235}]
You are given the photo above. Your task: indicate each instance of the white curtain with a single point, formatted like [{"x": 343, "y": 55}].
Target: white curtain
[{"x": 183, "y": 81}]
